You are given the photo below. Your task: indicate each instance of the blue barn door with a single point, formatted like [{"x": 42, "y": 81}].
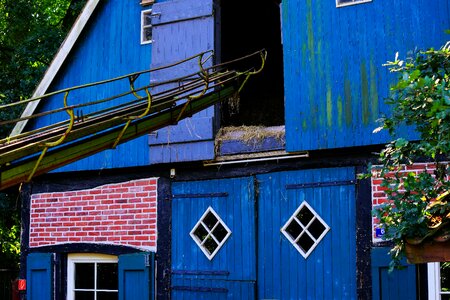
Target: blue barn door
[
  {"x": 40, "y": 276},
  {"x": 399, "y": 284},
  {"x": 307, "y": 235},
  {"x": 181, "y": 29},
  {"x": 213, "y": 239},
  {"x": 136, "y": 276}
]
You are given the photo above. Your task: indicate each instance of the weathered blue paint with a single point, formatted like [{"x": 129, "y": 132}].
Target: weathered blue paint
[
  {"x": 237, "y": 141},
  {"x": 400, "y": 284},
  {"x": 275, "y": 268},
  {"x": 229, "y": 147},
  {"x": 234, "y": 267},
  {"x": 108, "y": 47},
  {"x": 39, "y": 276},
  {"x": 182, "y": 29},
  {"x": 330, "y": 270},
  {"x": 335, "y": 81},
  {"x": 187, "y": 289},
  {"x": 136, "y": 276}
]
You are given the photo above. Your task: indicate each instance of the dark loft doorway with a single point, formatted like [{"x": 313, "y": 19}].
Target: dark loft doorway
[{"x": 248, "y": 26}]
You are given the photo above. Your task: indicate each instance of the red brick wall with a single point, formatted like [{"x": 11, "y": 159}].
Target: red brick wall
[
  {"x": 378, "y": 195},
  {"x": 120, "y": 213}
]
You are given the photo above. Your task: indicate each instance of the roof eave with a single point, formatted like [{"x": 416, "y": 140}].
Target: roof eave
[{"x": 57, "y": 62}]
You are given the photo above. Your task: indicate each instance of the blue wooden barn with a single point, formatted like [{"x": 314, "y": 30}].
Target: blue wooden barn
[{"x": 255, "y": 197}]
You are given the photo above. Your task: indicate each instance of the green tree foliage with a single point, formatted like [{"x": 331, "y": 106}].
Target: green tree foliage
[
  {"x": 31, "y": 32},
  {"x": 9, "y": 231},
  {"x": 418, "y": 205}
]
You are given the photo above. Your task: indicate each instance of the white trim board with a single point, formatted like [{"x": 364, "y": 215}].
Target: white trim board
[{"x": 57, "y": 62}]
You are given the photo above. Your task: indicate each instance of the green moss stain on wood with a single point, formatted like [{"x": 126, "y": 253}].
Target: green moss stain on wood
[
  {"x": 329, "y": 107},
  {"x": 374, "y": 100},
  {"x": 340, "y": 111},
  {"x": 312, "y": 64},
  {"x": 364, "y": 93},
  {"x": 347, "y": 98}
]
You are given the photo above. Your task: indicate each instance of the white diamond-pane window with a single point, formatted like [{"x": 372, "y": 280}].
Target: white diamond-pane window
[
  {"x": 210, "y": 233},
  {"x": 305, "y": 229}
]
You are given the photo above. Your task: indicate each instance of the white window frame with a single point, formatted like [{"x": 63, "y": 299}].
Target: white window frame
[
  {"x": 354, "y": 2},
  {"x": 199, "y": 243},
  {"x": 83, "y": 258},
  {"x": 143, "y": 26},
  {"x": 434, "y": 281},
  {"x": 305, "y": 230}
]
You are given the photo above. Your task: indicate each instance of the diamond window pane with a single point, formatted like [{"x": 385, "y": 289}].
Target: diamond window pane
[
  {"x": 294, "y": 229},
  {"x": 210, "y": 245},
  {"x": 305, "y": 216},
  {"x": 220, "y": 232},
  {"x": 210, "y": 220},
  {"x": 305, "y": 229},
  {"x": 305, "y": 242},
  {"x": 201, "y": 233},
  {"x": 316, "y": 228},
  {"x": 210, "y": 233}
]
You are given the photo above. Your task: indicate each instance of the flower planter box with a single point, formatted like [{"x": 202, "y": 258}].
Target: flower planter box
[{"x": 429, "y": 251}]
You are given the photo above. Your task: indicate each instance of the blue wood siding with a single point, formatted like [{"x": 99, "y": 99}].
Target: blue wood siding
[
  {"x": 329, "y": 272},
  {"x": 39, "y": 276},
  {"x": 233, "y": 268},
  {"x": 136, "y": 276},
  {"x": 108, "y": 47},
  {"x": 182, "y": 29},
  {"x": 334, "y": 79},
  {"x": 400, "y": 284},
  {"x": 187, "y": 289}
]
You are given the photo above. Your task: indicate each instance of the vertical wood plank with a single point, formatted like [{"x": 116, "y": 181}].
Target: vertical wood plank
[{"x": 334, "y": 79}]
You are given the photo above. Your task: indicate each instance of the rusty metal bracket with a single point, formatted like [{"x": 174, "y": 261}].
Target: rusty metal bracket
[
  {"x": 132, "y": 79},
  {"x": 204, "y": 74},
  {"x": 131, "y": 118},
  {"x": 263, "y": 55},
  {"x": 69, "y": 111}
]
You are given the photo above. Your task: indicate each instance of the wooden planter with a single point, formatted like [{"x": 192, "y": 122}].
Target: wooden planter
[{"x": 429, "y": 251}]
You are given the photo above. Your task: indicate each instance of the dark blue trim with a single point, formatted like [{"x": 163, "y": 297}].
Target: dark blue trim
[
  {"x": 200, "y": 289},
  {"x": 199, "y": 272},
  {"x": 210, "y": 195},
  {"x": 86, "y": 248},
  {"x": 319, "y": 184}
]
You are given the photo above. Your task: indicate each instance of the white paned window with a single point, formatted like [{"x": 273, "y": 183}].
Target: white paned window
[
  {"x": 305, "y": 229},
  {"x": 340, "y": 3},
  {"x": 92, "y": 276},
  {"x": 439, "y": 281},
  {"x": 146, "y": 26},
  {"x": 210, "y": 233}
]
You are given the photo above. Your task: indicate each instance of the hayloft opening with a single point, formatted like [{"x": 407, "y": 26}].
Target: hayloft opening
[{"x": 246, "y": 27}]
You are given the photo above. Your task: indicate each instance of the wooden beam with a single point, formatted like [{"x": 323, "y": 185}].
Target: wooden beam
[
  {"x": 57, "y": 62},
  {"x": 19, "y": 172}
]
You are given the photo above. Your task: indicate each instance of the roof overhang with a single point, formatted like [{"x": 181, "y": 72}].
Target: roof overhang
[{"x": 57, "y": 62}]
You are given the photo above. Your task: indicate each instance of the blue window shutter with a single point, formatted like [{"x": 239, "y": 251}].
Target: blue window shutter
[
  {"x": 182, "y": 28},
  {"x": 136, "y": 276},
  {"x": 393, "y": 285},
  {"x": 40, "y": 276}
]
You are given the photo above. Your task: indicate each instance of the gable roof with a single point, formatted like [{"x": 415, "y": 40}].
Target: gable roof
[{"x": 57, "y": 62}]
